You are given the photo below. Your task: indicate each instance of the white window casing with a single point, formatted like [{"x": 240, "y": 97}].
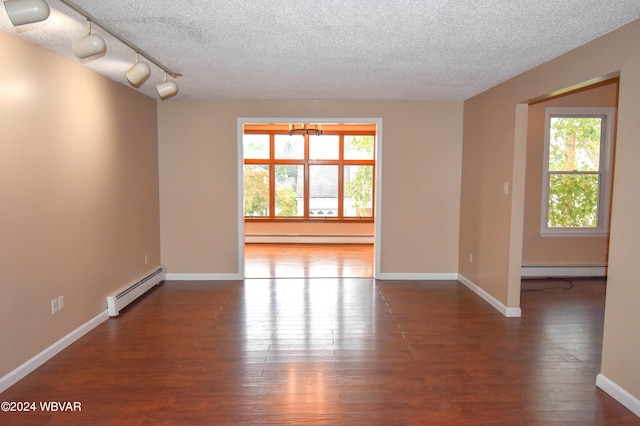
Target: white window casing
[{"x": 605, "y": 172}]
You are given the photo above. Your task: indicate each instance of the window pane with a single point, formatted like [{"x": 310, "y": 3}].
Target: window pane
[
  {"x": 255, "y": 146},
  {"x": 358, "y": 191},
  {"x": 324, "y": 147},
  {"x": 573, "y": 200},
  {"x": 323, "y": 191},
  {"x": 358, "y": 147},
  {"x": 574, "y": 144},
  {"x": 289, "y": 147},
  {"x": 256, "y": 190},
  {"x": 289, "y": 190}
]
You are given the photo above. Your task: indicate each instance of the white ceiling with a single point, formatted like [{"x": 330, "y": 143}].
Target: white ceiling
[{"x": 332, "y": 49}]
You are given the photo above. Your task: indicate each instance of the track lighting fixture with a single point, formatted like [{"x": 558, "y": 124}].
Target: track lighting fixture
[
  {"x": 89, "y": 45},
  {"x": 23, "y": 12},
  {"x": 167, "y": 89},
  {"x": 138, "y": 73}
]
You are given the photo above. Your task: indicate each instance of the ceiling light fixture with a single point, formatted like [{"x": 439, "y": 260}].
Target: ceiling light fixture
[
  {"x": 305, "y": 129},
  {"x": 89, "y": 45},
  {"x": 167, "y": 89},
  {"x": 23, "y": 12},
  {"x": 138, "y": 73}
]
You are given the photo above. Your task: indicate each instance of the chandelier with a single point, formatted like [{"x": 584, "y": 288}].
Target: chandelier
[{"x": 305, "y": 129}]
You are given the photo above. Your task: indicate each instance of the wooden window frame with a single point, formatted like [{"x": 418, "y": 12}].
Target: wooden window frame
[{"x": 341, "y": 162}]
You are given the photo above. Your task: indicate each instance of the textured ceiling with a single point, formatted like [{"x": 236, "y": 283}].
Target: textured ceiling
[{"x": 332, "y": 49}]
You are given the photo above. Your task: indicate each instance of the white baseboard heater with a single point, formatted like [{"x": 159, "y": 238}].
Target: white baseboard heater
[
  {"x": 565, "y": 271},
  {"x": 117, "y": 301}
]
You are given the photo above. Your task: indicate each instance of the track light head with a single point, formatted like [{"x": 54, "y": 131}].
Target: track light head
[
  {"x": 167, "y": 89},
  {"x": 138, "y": 73},
  {"x": 23, "y": 12},
  {"x": 89, "y": 45}
]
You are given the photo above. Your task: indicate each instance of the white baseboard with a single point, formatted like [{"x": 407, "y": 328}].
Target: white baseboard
[
  {"x": 203, "y": 277},
  {"x": 548, "y": 271},
  {"x": 449, "y": 276},
  {"x": 504, "y": 310},
  {"x": 19, "y": 373},
  {"x": 307, "y": 239},
  {"x": 619, "y": 394}
]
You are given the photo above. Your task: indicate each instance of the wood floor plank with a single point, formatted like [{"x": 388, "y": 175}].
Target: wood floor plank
[{"x": 340, "y": 351}]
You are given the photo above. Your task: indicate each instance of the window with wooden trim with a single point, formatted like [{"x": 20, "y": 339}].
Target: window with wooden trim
[
  {"x": 577, "y": 171},
  {"x": 328, "y": 176}
]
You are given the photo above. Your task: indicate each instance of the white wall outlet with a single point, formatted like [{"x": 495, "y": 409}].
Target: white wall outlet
[
  {"x": 145, "y": 259},
  {"x": 60, "y": 303},
  {"x": 506, "y": 188},
  {"x": 54, "y": 306},
  {"x": 470, "y": 258}
]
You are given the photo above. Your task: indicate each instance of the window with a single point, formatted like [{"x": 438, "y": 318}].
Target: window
[
  {"x": 577, "y": 171},
  {"x": 309, "y": 177}
]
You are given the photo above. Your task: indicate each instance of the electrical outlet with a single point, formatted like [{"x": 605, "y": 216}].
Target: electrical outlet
[
  {"x": 60, "y": 303},
  {"x": 145, "y": 259},
  {"x": 470, "y": 258},
  {"x": 54, "y": 306}
]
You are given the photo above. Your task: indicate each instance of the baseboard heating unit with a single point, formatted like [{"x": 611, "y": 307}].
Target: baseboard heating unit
[
  {"x": 123, "y": 297},
  {"x": 548, "y": 271}
]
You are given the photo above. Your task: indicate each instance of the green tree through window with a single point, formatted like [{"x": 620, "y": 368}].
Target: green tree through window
[
  {"x": 359, "y": 185},
  {"x": 256, "y": 190},
  {"x": 574, "y": 162}
]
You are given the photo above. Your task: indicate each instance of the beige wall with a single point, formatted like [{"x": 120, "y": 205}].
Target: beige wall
[
  {"x": 621, "y": 349},
  {"x": 491, "y": 147},
  {"x": 78, "y": 195},
  {"x": 420, "y": 180},
  {"x": 537, "y": 250}
]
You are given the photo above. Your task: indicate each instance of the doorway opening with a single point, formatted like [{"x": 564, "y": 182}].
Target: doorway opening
[
  {"x": 309, "y": 197},
  {"x": 559, "y": 251}
]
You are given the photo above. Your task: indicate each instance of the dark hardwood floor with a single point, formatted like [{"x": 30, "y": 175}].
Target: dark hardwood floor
[{"x": 350, "y": 351}]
